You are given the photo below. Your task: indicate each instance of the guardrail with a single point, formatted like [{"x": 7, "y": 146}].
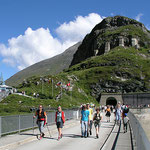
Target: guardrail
[
  {"x": 18, "y": 123},
  {"x": 142, "y": 142}
]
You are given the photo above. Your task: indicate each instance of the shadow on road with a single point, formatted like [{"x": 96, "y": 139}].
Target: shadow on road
[
  {"x": 28, "y": 134},
  {"x": 72, "y": 135},
  {"x": 75, "y": 136},
  {"x": 50, "y": 138},
  {"x": 37, "y": 135}
]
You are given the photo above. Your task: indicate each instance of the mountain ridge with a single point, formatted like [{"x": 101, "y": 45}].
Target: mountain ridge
[{"x": 51, "y": 66}]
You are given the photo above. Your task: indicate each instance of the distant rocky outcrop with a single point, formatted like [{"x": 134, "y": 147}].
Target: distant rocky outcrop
[
  {"x": 110, "y": 33},
  {"x": 51, "y": 66}
]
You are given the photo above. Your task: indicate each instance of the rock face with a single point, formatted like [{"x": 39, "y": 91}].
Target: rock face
[
  {"x": 49, "y": 66},
  {"x": 110, "y": 33}
]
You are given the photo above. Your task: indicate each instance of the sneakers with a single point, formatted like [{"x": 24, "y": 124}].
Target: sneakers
[
  {"x": 58, "y": 138},
  {"x": 88, "y": 134},
  {"x": 43, "y": 134},
  {"x": 41, "y": 137},
  {"x": 97, "y": 136}
]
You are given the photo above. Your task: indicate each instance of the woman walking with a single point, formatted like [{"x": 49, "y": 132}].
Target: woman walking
[
  {"x": 108, "y": 113},
  {"x": 118, "y": 114},
  {"x": 96, "y": 119},
  {"x": 60, "y": 120}
]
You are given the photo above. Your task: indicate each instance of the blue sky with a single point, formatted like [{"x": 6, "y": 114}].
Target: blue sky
[{"x": 33, "y": 30}]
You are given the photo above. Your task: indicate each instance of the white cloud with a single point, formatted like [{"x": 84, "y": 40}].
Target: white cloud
[
  {"x": 138, "y": 17},
  {"x": 37, "y": 45},
  {"x": 77, "y": 29}
]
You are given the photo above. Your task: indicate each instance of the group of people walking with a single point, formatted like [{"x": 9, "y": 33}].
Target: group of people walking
[
  {"x": 122, "y": 111},
  {"x": 42, "y": 120},
  {"x": 88, "y": 118}
]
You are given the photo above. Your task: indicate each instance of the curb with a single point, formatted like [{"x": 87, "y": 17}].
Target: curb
[{"x": 31, "y": 139}]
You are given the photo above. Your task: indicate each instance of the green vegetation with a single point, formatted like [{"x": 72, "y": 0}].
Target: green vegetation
[
  {"x": 126, "y": 31},
  {"x": 120, "y": 67},
  {"x": 122, "y": 70}
]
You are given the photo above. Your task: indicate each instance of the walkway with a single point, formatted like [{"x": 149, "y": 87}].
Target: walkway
[{"x": 71, "y": 139}]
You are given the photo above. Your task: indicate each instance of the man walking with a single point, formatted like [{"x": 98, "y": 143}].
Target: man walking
[{"x": 84, "y": 121}]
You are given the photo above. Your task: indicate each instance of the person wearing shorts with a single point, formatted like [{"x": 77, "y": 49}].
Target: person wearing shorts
[
  {"x": 96, "y": 119},
  {"x": 60, "y": 120}
]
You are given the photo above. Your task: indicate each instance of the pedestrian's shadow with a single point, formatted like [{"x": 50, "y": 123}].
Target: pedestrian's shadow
[
  {"x": 50, "y": 138},
  {"x": 28, "y": 134},
  {"x": 75, "y": 136},
  {"x": 72, "y": 135},
  {"x": 37, "y": 135},
  {"x": 104, "y": 126}
]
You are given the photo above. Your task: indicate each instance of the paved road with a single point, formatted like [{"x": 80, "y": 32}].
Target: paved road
[{"x": 71, "y": 140}]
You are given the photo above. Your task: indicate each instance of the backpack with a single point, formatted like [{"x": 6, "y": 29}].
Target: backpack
[
  {"x": 126, "y": 110},
  {"x": 97, "y": 117}
]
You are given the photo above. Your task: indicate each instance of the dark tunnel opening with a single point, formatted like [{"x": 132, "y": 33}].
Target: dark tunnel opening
[{"x": 111, "y": 101}]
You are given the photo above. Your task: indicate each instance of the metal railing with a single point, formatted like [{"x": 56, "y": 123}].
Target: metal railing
[
  {"x": 18, "y": 123},
  {"x": 142, "y": 142}
]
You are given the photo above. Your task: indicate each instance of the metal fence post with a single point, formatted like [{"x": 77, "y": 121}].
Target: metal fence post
[{"x": 0, "y": 126}]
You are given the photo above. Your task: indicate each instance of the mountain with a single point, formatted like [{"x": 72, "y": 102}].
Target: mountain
[
  {"x": 113, "y": 58},
  {"x": 112, "y": 32},
  {"x": 49, "y": 66}
]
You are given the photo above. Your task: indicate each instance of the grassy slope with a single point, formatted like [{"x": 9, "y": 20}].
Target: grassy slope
[{"x": 131, "y": 62}]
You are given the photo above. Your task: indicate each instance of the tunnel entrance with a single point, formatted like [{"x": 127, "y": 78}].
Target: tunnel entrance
[{"x": 111, "y": 101}]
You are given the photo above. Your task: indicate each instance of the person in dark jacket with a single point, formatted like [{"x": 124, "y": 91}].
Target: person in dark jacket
[
  {"x": 41, "y": 120},
  {"x": 60, "y": 120}
]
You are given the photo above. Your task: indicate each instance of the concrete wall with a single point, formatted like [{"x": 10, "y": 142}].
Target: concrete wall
[{"x": 136, "y": 99}]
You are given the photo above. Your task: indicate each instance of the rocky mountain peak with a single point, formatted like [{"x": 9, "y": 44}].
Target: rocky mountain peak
[
  {"x": 117, "y": 21},
  {"x": 110, "y": 33}
]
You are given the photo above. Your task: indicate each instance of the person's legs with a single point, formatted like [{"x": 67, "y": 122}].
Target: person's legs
[
  {"x": 39, "y": 125},
  {"x": 97, "y": 131},
  {"x": 117, "y": 118},
  {"x": 59, "y": 127},
  {"x": 126, "y": 127},
  {"x": 42, "y": 127},
  {"x": 91, "y": 123},
  {"x": 59, "y": 132},
  {"x": 86, "y": 127},
  {"x": 82, "y": 128}
]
